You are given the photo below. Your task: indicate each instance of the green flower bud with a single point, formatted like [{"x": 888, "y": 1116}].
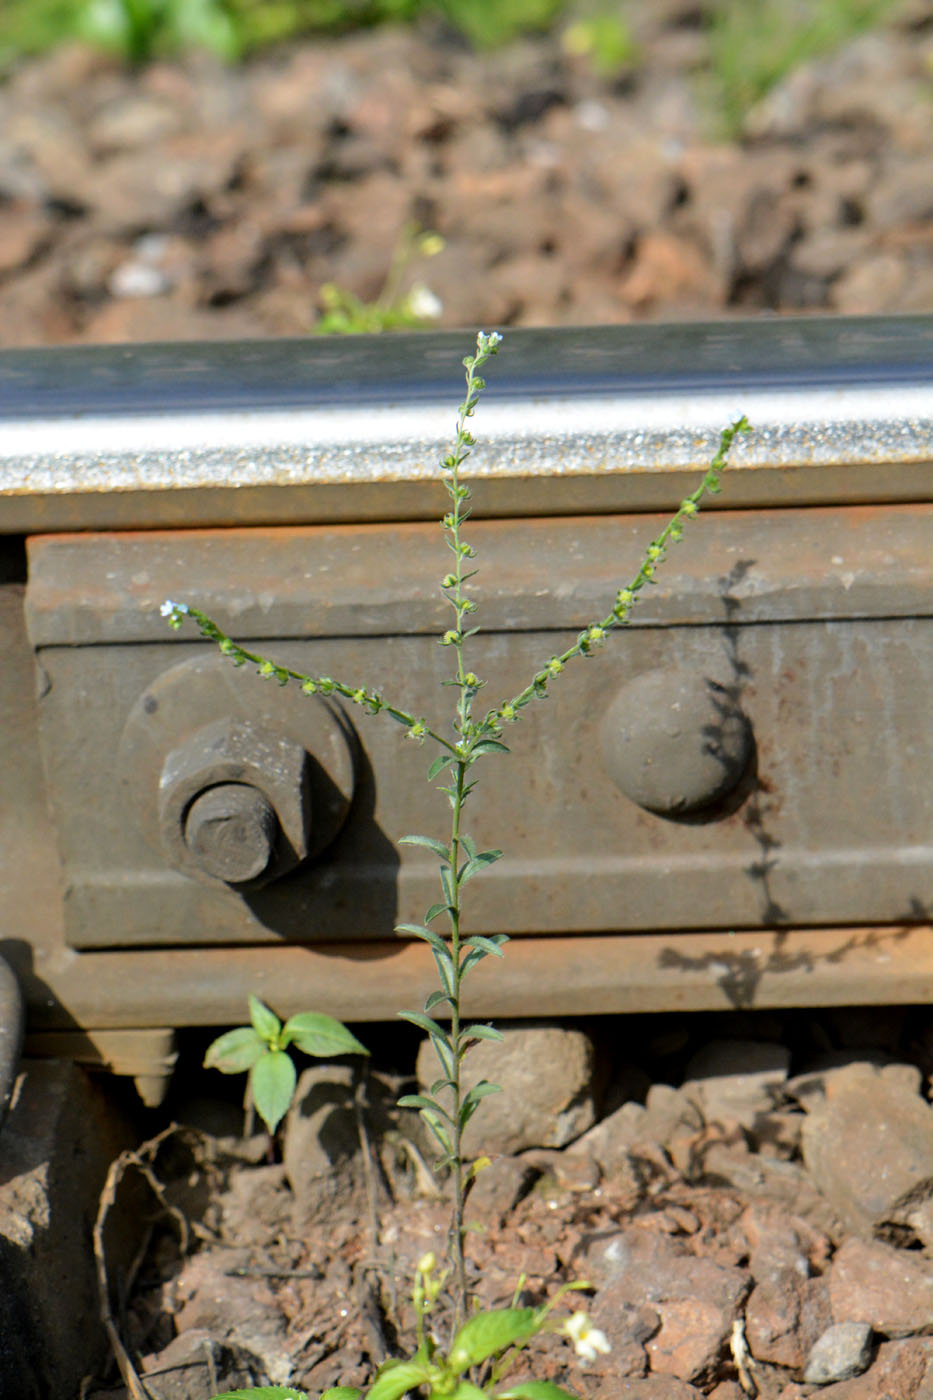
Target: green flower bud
[
  {"x": 449, "y": 638},
  {"x": 689, "y": 507},
  {"x": 309, "y": 687},
  {"x": 555, "y": 666}
]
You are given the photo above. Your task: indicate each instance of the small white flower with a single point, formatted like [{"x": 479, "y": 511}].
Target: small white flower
[
  {"x": 423, "y": 303},
  {"x": 167, "y": 608},
  {"x": 587, "y": 1339}
]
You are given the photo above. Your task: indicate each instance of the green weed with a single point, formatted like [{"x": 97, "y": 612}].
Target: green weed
[{"x": 483, "y": 1344}]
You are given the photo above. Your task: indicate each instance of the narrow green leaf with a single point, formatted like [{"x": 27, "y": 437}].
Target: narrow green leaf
[
  {"x": 434, "y": 910},
  {"x": 480, "y": 1032},
  {"x": 395, "y": 1381},
  {"x": 440, "y": 1084},
  {"x": 430, "y": 842},
  {"x": 341, "y": 1392},
  {"x": 436, "y": 998},
  {"x": 236, "y": 1051},
  {"x": 493, "y": 944},
  {"x": 265, "y": 1022},
  {"x": 533, "y": 1390},
  {"x": 273, "y": 1079},
  {"x": 489, "y": 1333},
  {"x": 429, "y": 935},
  {"x": 447, "y": 885},
  {"x": 439, "y": 1131},
  {"x": 468, "y": 845},
  {"x": 440, "y": 763},
  {"x": 422, "y": 1101},
  {"x": 478, "y": 863},
  {"x": 445, "y": 971},
  {"x": 481, "y": 1090},
  {"x": 417, "y": 1018}
]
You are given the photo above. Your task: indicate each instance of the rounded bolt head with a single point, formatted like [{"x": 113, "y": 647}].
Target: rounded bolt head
[
  {"x": 230, "y": 831},
  {"x": 675, "y": 742}
]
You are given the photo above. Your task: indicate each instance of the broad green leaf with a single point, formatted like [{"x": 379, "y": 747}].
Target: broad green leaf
[
  {"x": 479, "y": 862},
  {"x": 430, "y": 842},
  {"x": 236, "y": 1051},
  {"x": 394, "y": 1382},
  {"x": 273, "y": 1079},
  {"x": 489, "y": 1333},
  {"x": 266, "y": 1392},
  {"x": 321, "y": 1035},
  {"x": 341, "y": 1392},
  {"x": 265, "y": 1022},
  {"x": 488, "y": 746},
  {"x": 535, "y": 1390},
  {"x": 466, "y": 1390}
]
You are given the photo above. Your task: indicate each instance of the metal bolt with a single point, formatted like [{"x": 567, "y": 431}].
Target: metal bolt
[
  {"x": 231, "y": 832},
  {"x": 676, "y": 742}
]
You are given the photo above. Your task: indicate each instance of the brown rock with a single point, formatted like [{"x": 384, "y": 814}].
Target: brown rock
[
  {"x": 779, "y": 1240},
  {"x": 889, "y": 1288},
  {"x": 546, "y": 1078},
  {"x": 869, "y": 1149},
  {"x": 898, "y": 1373},
  {"x": 691, "y": 1339},
  {"x": 785, "y": 1316},
  {"x": 668, "y": 268}
]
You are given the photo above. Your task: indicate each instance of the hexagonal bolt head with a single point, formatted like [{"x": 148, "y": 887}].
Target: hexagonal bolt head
[
  {"x": 234, "y": 804},
  {"x": 675, "y": 742}
]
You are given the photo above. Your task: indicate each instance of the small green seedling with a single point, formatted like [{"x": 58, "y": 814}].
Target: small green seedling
[{"x": 261, "y": 1049}]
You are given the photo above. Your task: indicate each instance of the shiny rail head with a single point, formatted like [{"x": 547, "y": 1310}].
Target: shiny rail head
[{"x": 612, "y": 418}]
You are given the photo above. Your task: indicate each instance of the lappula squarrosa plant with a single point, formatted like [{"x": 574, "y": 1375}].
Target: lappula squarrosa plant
[{"x": 482, "y": 1345}]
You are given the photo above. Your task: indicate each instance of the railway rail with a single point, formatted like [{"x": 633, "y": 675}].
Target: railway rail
[{"x": 289, "y": 488}]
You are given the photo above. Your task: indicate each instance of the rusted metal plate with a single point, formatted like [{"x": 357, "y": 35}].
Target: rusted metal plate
[
  {"x": 689, "y": 971},
  {"x": 602, "y": 419},
  {"x": 829, "y": 823}
]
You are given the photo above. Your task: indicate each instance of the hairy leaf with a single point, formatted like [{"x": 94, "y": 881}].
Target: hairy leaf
[
  {"x": 480, "y": 1032},
  {"x": 430, "y": 842},
  {"x": 492, "y": 944},
  {"x": 435, "y": 1031},
  {"x": 422, "y": 1101},
  {"x": 476, "y": 864}
]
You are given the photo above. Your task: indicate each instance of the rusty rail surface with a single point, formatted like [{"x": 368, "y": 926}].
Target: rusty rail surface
[{"x": 286, "y": 486}]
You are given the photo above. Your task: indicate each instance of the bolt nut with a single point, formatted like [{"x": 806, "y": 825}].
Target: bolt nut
[{"x": 234, "y": 804}]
